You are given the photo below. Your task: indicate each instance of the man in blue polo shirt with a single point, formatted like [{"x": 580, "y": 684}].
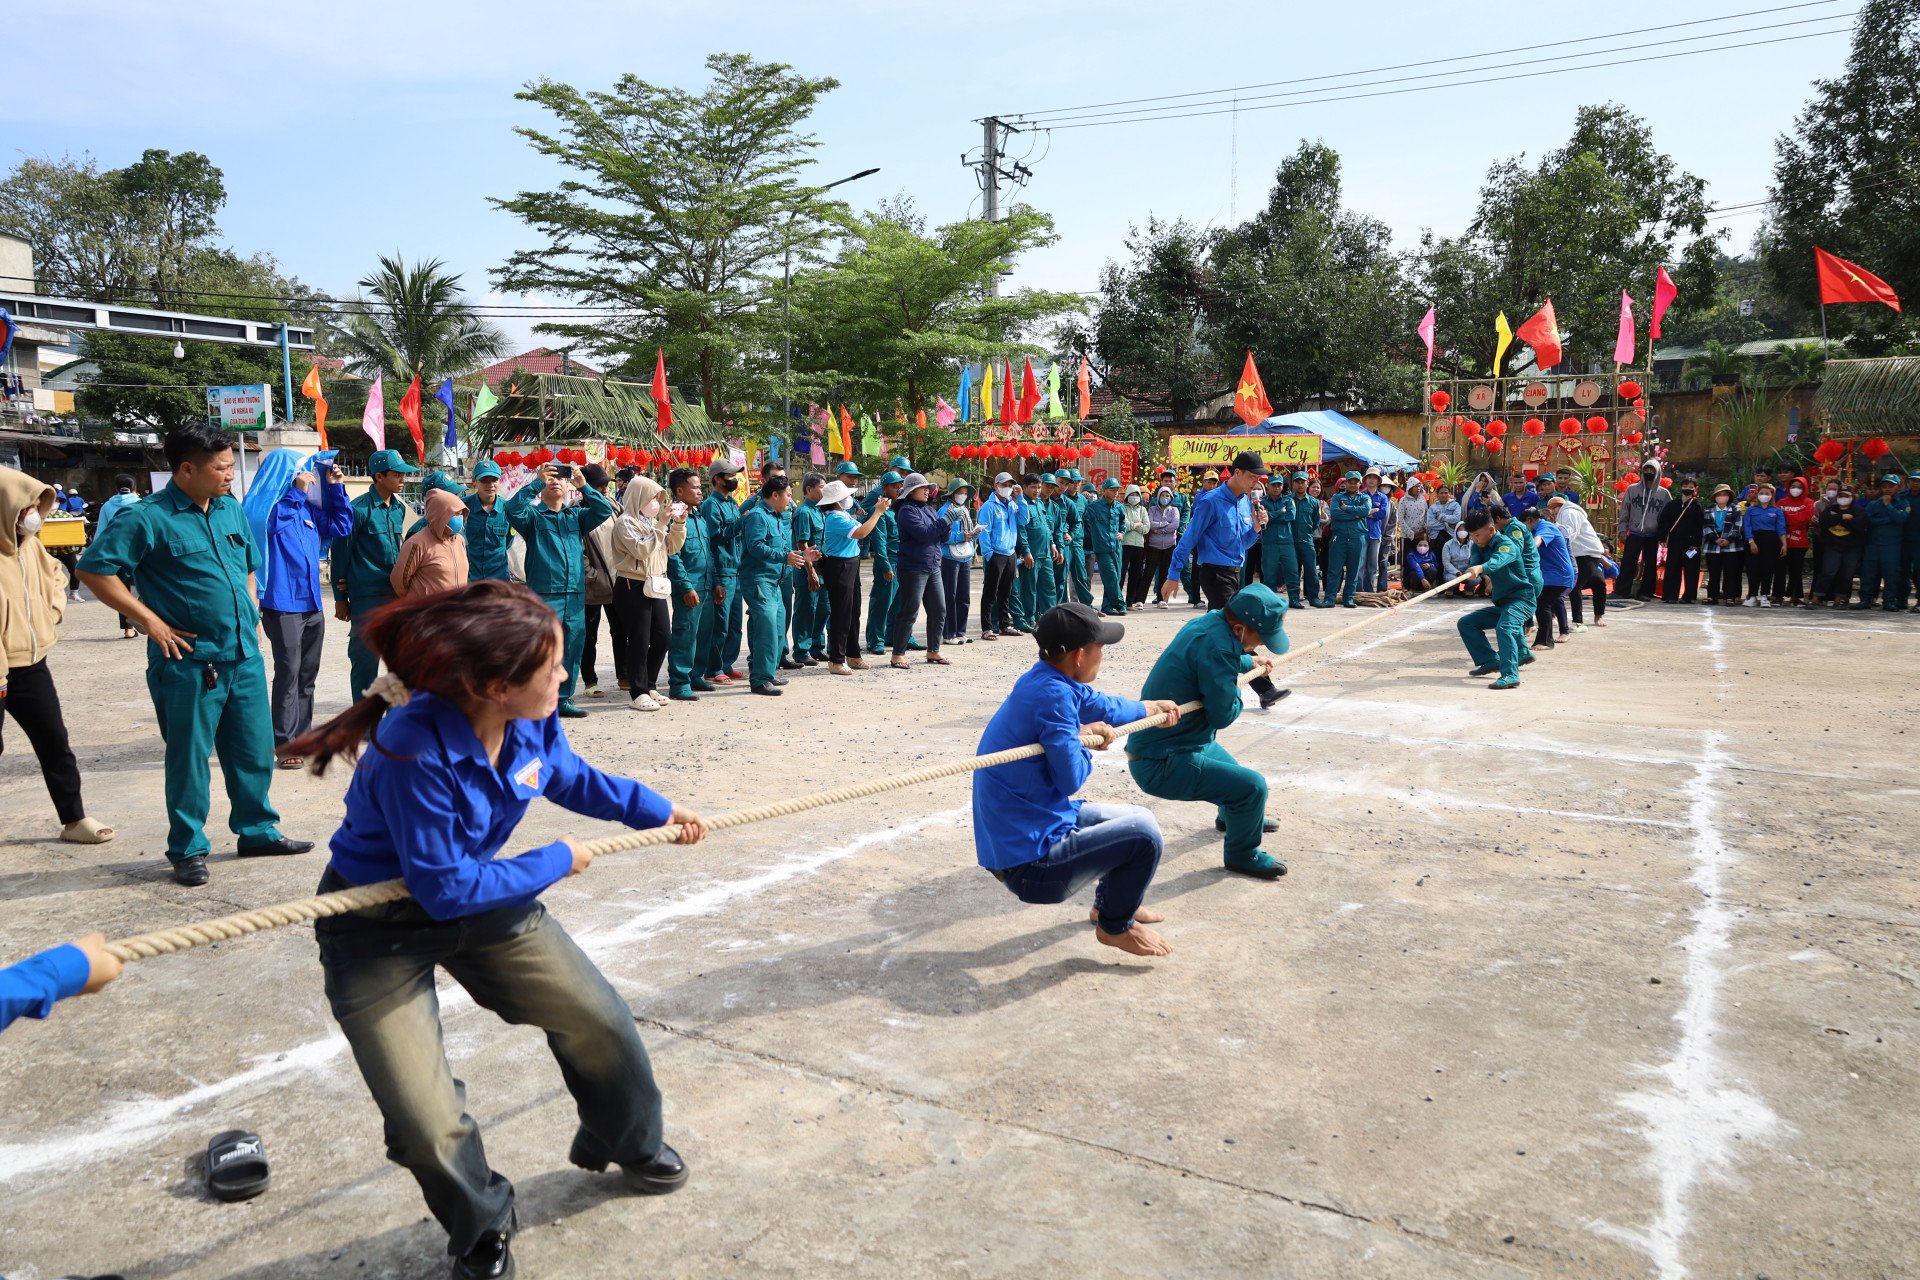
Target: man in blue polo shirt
[
  {"x": 1028, "y": 830},
  {"x": 1226, "y": 524}
]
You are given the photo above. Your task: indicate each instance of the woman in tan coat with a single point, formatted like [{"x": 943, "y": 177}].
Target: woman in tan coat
[
  {"x": 434, "y": 559},
  {"x": 33, "y": 598},
  {"x": 647, "y": 531}
]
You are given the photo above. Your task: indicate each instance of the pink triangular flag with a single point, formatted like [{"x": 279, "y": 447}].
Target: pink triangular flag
[
  {"x": 373, "y": 420},
  {"x": 1425, "y": 331},
  {"x": 1623, "y": 345},
  {"x": 944, "y": 413},
  {"x": 1664, "y": 292}
]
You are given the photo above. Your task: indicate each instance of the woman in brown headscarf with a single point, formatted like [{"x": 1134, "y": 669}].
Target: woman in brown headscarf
[{"x": 434, "y": 559}]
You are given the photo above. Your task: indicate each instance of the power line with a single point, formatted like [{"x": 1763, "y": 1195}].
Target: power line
[
  {"x": 323, "y": 305},
  {"x": 1458, "y": 84},
  {"x": 1432, "y": 62}
]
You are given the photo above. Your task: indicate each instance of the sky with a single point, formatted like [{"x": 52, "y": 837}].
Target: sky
[{"x": 363, "y": 129}]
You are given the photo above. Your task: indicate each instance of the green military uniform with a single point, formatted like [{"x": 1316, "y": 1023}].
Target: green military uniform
[
  {"x": 1514, "y": 598},
  {"x": 192, "y": 567},
  {"x": 1909, "y": 505},
  {"x": 723, "y": 515},
  {"x": 1102, "y": 523},
  {"x": 487, "y": 533},
  {"x": 1278, "y": 562},
  {"x": 363, "y": 573},
  {"x": 766, "y": 539},
  {"x": 690, "y": 570},
  {"x": 554, "y": 568},
  {"x": 1074, "y": 582},
  {"x": 884, "y": 543},
  {"x": 1347, "y": 545},
  {"x": 1033, "y": 587},
  {"x": 1306, "y": 523},
  {"x": 1184, "y": 761},
  {"x": 1523, "y": 538},
  {"x": 1880, "y": 569},
  {"x": 809, "y": 607}
]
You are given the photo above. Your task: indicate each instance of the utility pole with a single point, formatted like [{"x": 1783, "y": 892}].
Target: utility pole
[{"x": 991, "y": 155}]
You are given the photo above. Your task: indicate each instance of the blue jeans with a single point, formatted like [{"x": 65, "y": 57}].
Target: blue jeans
[
  {"x": 518, "y": 962},
  {"x": 1117, "y": 844}
]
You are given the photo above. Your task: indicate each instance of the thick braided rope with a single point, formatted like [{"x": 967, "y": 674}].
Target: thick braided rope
[{"x": 333, "y": 904}]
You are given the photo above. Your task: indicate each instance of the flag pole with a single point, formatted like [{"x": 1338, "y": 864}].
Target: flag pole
[{"x": 1826, "y": 350}]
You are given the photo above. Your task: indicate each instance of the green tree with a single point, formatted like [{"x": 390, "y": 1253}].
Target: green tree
[
  {"x": 1316, "y": 293},
  {"x": 1848, "y": 178},
  {"x": 683, "y": 211},
  {"x": 1719, "y": 364},
  {"x": 1147, "y": 337},
  {"x": 416, "y": 323},
  {"x": 898, "y": 311},
  {"x": 1596, "y": 216},
  {"x": 1797, "y": 363}
]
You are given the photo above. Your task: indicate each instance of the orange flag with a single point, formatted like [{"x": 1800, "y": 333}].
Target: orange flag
[
  {"x": 311, "y": 390},
  {"x": 920, "y": 419},
  {"x": 1542, "y": 333},
  {"x": 1841, "y": 281},
  {"x": 846, "y": 433},
  {"x": 1086, "y": 392},
  {"x": 1250, "y": 396}
]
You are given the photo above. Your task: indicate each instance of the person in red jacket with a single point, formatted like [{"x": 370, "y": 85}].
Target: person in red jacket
[{"x": 1797, "y": 505}]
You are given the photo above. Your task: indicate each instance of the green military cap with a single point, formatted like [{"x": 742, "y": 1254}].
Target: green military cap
[
  {"x": 487, "y": 471},
  {"x": 1351, "y": 475},
  {"x": 1300, "y": 475},
  {"x": 902, "y": 465},
  {"x": 1048, "y": 477},
  {"x": 1258, "y": 607},
  {"x": 389, "y": 460},
  {"x": 847, "y": 469},
  {"x": 892, "y": 477},
  {"x": 1894, "y": 477},
  {"x": 1110, "y": 483}
]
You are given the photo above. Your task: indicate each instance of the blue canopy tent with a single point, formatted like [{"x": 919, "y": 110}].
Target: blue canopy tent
[{"x": 1340, "y": 436}]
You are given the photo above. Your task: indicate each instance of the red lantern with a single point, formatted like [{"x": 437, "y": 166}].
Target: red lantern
[
  {"x": 1634, "y": 437},
  {"x": 642, "y": 459},
  {"x": 1496, "y": 428},
  {"x": 953, "y": 451},
  {"x": 1596, "y": 424},
  {"x": 1569, "y": 426},
  {"x": 1495, "y": 446},
  {"x": 1829, "y": 471},
  {"x": 1876, "y": 448},
  {"x": 1533, "y": 426},
  {"x": 1439, "y": 400},
  {"x": 1830, "y": 451},
  {"x": 1087, "y": 451},
  {"x": 1666, "y": 482},
  {"x": 1640, "y": 402},
  {"x": 1620, "y": 486},
  {"x": 1629, "y": 390}
]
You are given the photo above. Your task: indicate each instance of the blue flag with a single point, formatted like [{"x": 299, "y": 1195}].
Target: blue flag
[
  {"x": 966, "y": 393},
  {"x": 445, "y": 396}
]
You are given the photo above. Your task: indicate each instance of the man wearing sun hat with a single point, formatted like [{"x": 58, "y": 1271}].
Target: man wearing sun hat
[
  {"x": 1184, "y": 761},
  {"x": 363, "y": 561}
]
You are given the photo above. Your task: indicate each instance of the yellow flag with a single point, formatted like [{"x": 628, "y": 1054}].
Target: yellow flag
[
  {"x": 1503, "y": 339},
  {"x": 986, "y": 391}
]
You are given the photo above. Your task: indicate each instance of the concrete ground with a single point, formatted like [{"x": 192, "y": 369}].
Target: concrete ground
[{"x": 1613, "y": 975}]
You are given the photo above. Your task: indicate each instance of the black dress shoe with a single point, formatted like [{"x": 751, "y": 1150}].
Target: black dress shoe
[
  {"x": 664, "y": 1173},
  {"x": 681, "y": 697},
  {"x": 788, "y": 664},
  {"x": 806, "y": 659},
  {"x": 777, "y": 681},
  {"x": 766, "y": 691},
  {"x": 491, "y": 1258},
  {"x": 1270, "y": 696},
  {"x": 1269, "y": 826},
  {"x": 278, "y": 849},
  {"x": 191, "y": 871}
]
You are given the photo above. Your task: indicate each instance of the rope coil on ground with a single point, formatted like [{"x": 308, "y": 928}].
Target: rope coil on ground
[{"x": 186, "y": 937}]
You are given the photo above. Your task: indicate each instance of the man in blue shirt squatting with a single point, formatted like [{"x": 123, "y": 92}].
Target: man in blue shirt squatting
[
  {"x": 192, "y": 557},
  {"x": 1028, "y": 830},
  {"x": 1497, "y": 557},
  {"x": 1183, "y": 761},
  {"x": 463, "y": 733},
  {"x": 1226, "y": 524}
]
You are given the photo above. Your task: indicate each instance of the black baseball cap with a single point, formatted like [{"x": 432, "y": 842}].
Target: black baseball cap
[
  {"x": 1067, "y": 627},
  {"x": 1248, "y": 460}
]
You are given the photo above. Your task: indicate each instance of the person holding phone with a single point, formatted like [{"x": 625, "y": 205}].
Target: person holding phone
[{"x": 553, "y": 529}]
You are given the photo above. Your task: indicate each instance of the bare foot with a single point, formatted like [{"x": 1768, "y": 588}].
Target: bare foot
[
  {"x": 1145, "y": 915},
  {"x": 1139, "y": 941}
]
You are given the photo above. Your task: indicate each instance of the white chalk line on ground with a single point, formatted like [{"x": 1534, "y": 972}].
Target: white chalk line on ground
[
  {"x": 1774, "y": 626},
  {"x": 131, "y": 1124},
  {"x": 1420, "y": 798}
]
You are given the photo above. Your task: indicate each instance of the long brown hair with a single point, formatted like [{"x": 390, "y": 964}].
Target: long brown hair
[{"x": 457, "y": 644}]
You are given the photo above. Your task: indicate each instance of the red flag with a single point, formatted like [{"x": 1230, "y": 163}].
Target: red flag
[
  {"x": 1841, "y": 281},
  {"x": 1542, "y": 333},
  {"x": 1086, "y": 393},
  {"x": 410, "y": 410},
  {"x": 1250, "y": 397},
  {"x": 1029, "y": 391},
  {"x": 1664, "y": 292},
  {"x": 662, "y": 403},
  {"x": 1006, "y": 395}
]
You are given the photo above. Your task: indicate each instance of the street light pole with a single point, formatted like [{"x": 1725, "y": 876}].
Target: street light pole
[{"x": 786, "y": 300}]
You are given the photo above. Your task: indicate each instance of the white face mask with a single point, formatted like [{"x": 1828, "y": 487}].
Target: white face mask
[
  {"x": 1796, "y": 491},
  {"x": 1832, "y": 494},
  {"x": 1003, "y": 491},
  {"x": 1763, "y": 498},
  {"x": 1460, "y": 535},
  {"x": 1133, "y": 499},
  {"x": 652, "y": 509},
  {"x": 29, "y": 523}
]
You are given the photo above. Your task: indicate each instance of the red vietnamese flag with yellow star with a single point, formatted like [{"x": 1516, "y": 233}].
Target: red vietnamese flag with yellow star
[
  {"x": 1841, "y": 281},
  {"x": 1250, "y": 397}
]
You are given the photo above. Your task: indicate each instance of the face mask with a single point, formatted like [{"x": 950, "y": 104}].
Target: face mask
[
  {"x": 1133, "y": 499},
  {"x": 1421, "y": 548},
  {"x": 456, "y": 524},
  {"x": 651, "y": 510},
  {"x": 30, "y": 523},
  {"x": 1460, "y": 535},
  {"x": 728, "y": 484},
  {"x": 1003, "y": 491},
  {"x": 1763, "y": 498},
  {"x": 1844, "y": 501},
  {"x": 1796, "y": 491},
  {"x": 1832, "y": 494}
]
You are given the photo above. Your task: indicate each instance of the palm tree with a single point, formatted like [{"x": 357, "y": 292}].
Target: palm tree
[
  {"x": 1720, "y": 363},
  {"x": 417, "y": 323},
  {"x": 1797, "y": 363}
]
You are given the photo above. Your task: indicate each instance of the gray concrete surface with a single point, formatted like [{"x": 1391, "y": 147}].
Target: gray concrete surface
[{"x": 1614, "y": 975}]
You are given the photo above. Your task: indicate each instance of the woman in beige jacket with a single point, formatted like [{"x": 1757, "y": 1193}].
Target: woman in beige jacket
[
  {"x": 648, "y": 529},
  {"x": 434, "y": 559},
  {"x": 33, "y": 598}
]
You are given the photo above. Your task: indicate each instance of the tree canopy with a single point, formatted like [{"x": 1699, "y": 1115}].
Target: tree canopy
[{"x": 416, "y": 323}]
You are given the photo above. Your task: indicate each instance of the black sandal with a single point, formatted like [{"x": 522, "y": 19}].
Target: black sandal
[{"x": 237, "y": 1166}]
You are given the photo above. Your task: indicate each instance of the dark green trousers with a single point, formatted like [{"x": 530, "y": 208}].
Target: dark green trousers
[
  {"x": 692, "y": 625},
  {"x": 766, "y": 629},
  {"x": 572, "y": 608},
  {"x": 233, "y": 719},
  {"x": 364, "y": 662}
]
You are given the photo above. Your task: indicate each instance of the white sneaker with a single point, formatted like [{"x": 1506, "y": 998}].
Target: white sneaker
[
  {"x": 1751, "y": 601},
  {"x": 1765, "y": 603},
  {"x": 1579, "y": 626},
  {"x": 644, "y": 703}
]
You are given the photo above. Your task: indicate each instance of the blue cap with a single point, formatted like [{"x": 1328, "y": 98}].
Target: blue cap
[
  {"x": 487, "y": 471},
  {"x": 1110, "y": 483},
  {"x": 439, "y": 480},
  {"x": 847, "y": 469},
  {"x": 1047, "y": 477},
  {"x": 902, "y": 465},
  {"x": 892, "y": 477},
  {"x": 1073, "y": 473},
  {"x": 1258, "y": 607},
  {"x": 389, "y": 460},
  {"x": 1894, "y": 477}
]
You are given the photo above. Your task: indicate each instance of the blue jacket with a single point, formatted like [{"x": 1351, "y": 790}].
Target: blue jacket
[
  {"x": 1556, "y": 556},
  {"x": 295, "y": 531},
  {"x": 1768, "y": 519},
  {"x": 1021, "y": 809},
  {"x": 1525, "y": 500},
  {"x": 1377, "y": 522},
  {"x": 922, "y": 535},
  {"x": 1442, "y": 519},
  {"x": 110, "y": 508},
  {"x": 1000, "y": 524},
  {"x": 1221, "y": 532},
  {"x": 1425, "y": 567},
  {"x": 554, "y": 566},
  {"x": 429, "y": 809},
  {"x": 30, "y": 988}
]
